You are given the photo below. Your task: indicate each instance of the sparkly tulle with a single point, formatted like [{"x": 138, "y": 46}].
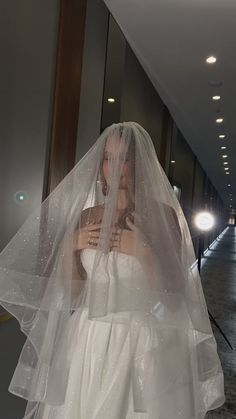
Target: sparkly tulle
[
  {"x": 102, "y": 381},
  {"x": 116, "y": 322}
]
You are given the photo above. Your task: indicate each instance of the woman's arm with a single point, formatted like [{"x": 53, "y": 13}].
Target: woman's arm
[
  {"x": 71, "y": 262},
  {"x": 78, "y": 241},
  {"x": 148, "y": 261},
  {"x": 154, "y": 255}
]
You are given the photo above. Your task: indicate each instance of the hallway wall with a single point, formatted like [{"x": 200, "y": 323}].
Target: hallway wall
[{"x": 28, "y": 34}]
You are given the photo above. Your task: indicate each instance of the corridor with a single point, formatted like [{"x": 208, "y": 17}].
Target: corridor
[{"x": 219, "y": 284}]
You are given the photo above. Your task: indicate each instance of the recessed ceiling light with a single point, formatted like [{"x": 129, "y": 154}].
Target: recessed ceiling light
[
  {"x": 223, "y": 147},
  {"x": 211, "y": 60},
  {"x": 111, "y": 99},
  {"x": 229, "y": 184},
  {"x": 216, "y": 97},
  {"x": 219, "y": 120},
  {"x": 227, "y": 173},
  {"x": 222, "y": 136},
  {"x": 172, "y": 161},
  {"x": 226, "y": 168},
  {"x": 224, "y": 156},
  {"x": 225, "y": 162}
]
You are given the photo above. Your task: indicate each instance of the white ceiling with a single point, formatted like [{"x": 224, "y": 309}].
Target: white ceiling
[{"x": 172, "y": 39}]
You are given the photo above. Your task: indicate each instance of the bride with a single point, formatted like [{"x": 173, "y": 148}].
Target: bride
[{"x": 103, "y": 283}]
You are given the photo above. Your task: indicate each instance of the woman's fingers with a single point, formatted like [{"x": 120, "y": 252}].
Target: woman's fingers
[
  {"x": 97, "y": 232},
  {"x": 93, "y": 227},
  {"x": 131, "y": 224},
  {"x": 93, "y": 234},
  {"x": 93, "y": 241},
  {"x": 97, "y": 226},
  {"x": 90, "y": 235}
]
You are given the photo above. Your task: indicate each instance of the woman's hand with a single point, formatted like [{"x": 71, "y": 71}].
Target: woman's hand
[
  {"x": 131, "y": 242},
  {"x": 88, "y": 237}
]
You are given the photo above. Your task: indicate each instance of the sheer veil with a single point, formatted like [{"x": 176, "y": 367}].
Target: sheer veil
[{"x": 43, "y": 282}]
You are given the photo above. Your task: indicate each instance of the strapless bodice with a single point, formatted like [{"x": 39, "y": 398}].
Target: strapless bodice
[
  {"x": 117, "y": 264},
  {"x": 121, "y": 274}
]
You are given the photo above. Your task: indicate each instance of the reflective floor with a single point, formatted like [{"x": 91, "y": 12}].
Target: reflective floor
[{"x": 219, "y": 284}]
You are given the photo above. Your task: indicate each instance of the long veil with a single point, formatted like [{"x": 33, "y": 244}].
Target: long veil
[{"x": 43, "y": 282}]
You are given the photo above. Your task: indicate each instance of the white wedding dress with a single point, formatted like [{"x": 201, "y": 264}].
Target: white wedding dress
[{"x": 100, "y": 382}]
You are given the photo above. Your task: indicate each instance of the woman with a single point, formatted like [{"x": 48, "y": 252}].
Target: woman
[{"x": 103, "y": 283}]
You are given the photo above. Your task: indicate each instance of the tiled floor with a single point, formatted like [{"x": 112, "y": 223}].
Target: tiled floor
[{"x": 219, "y": 285}]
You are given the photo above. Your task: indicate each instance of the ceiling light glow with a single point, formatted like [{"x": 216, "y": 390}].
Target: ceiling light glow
[
  {"x": 204, "y": 220},
  {"x": 211, "y": 59}
]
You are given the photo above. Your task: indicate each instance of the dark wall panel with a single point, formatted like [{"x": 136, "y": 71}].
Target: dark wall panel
[
  {"x": 197, "y": 200},
  {"x": 114, "y": 74},
  {"x": 94, "y": 57},
  {"x": 183, "y": 173},
  {"x": 140, "y": 101}
]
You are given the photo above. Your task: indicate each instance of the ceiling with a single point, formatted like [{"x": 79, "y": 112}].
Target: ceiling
[{"x": 172, "y": 39}]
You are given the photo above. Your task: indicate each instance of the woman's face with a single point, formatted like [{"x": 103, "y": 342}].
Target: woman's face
[{"x": 115, "y": 149}]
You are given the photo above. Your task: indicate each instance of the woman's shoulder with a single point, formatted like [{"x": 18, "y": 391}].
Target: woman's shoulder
[
  {"x": 92, "y": 215},
  {"x": 170, "y": 213}
]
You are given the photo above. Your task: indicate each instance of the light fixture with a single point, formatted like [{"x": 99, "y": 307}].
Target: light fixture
[
  {"x": 229, "y": 184},
  {"x": 211, "y": 60},
  {"x": 219, "y": 120},
  {"x": 204, "y": 220},
  {"x": 216, "y": 97},
  {"x": 224, "y": 156},
  {"x": 222, "y": 136},
  {"x": 227, "y": 173},
  {"x": 172, "y": 161},
  {"x": 111, "y": 100},
  {"x": 223, "y": 147},
  {"x": 225, "y": 162},
  {"x": 226, "y": 168},
  {"x": 20, "y": 197}
]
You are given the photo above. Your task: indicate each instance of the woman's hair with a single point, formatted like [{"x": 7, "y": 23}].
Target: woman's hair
[
  {"x": 131, "y": 153},
  {"x": 130, "y": 179}
]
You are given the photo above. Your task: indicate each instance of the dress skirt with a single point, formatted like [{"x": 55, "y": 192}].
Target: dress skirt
[{"x": 99, "y": 385}]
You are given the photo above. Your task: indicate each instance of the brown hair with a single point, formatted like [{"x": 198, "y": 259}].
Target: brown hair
[{"x": 131, "y": 180}]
